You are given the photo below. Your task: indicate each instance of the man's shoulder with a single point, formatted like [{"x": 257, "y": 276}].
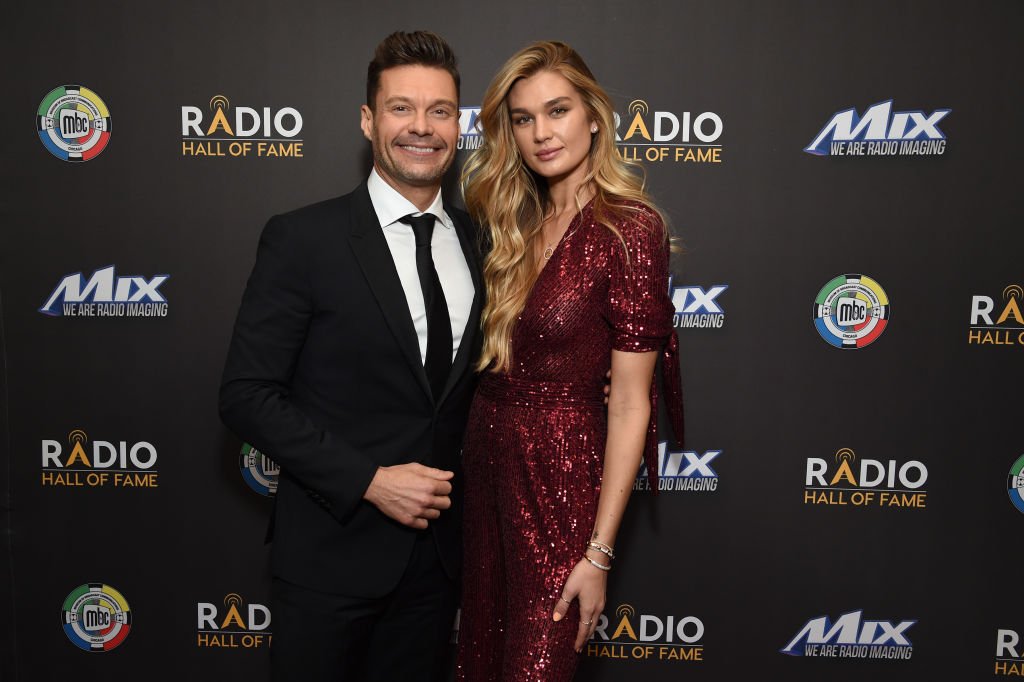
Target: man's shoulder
[{"x": 326, "y": 212}]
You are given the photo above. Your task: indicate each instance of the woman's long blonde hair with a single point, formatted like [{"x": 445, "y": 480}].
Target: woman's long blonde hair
[{"x": 510, "y": 201}]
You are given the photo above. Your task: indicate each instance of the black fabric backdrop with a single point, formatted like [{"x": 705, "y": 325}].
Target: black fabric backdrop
[{"x": 744, "y": 566}]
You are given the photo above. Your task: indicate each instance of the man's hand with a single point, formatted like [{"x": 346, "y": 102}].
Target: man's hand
[{"x": 411, "y": 493}]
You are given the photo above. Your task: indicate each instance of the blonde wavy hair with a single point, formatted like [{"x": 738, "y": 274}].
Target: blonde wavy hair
[{"x": 510, "y": 201}]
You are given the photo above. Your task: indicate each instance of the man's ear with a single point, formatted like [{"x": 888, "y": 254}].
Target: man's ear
[{"x": 366, "y": 121}]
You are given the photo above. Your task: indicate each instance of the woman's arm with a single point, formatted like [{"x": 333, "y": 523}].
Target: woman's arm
[{"x": 629, "y": 413}]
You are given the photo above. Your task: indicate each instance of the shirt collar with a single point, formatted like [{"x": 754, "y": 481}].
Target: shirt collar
[{"x": 390, "y": 205}]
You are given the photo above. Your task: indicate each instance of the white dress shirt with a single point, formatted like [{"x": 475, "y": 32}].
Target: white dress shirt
[{"x": 449, "y": 260}]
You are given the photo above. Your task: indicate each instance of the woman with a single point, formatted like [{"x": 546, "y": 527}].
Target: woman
[{"x": 577, "y": 282}]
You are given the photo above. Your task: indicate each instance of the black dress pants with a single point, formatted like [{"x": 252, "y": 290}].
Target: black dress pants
[{"x": 400, "y": 637}]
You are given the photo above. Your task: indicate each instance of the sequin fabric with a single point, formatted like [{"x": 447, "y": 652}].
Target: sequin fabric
[{"x": 535, "y": 445}]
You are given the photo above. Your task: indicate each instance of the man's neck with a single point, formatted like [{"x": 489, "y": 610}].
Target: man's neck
[{"x": 420, "y": 197}]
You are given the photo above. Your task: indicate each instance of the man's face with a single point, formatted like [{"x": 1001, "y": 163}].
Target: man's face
[{"x": 414, "y": 126}]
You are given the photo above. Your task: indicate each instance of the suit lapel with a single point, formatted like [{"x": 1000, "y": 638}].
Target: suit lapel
[
  {"x": 470, "y": 338},
  {"x": 374, "y": 256}
]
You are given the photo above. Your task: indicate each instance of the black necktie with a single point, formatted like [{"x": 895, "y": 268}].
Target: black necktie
[{"x": 439, "y": 325}]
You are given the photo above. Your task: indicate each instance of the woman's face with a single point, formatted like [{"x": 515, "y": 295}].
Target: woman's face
[{"x": 551, "y": 127}]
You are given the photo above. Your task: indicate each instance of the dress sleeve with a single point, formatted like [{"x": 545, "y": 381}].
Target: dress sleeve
[
  {"x": 638, "y": 307},
  {"x": 639, "y": 311}
]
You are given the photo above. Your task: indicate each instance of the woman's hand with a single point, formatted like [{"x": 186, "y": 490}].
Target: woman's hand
[{"x": 588, "y": 584}]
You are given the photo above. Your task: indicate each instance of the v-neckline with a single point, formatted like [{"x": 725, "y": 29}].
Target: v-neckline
[{"x": 569, "y": 231}]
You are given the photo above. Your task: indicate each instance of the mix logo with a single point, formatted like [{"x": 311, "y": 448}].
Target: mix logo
[
  {"x": 681, "y": 471},
  {"x": 875, "y": 484},
  {"x": 1008, "y": 328},
  {"x": 470, "y": 135},
  {"x": 851, "y": 311},
  {"x": 881, "y": 132},
  {"x": 696, "y": 308},
  {"x": 1015, "y": 484},
  {"x": 234, "y": 630},
  {"x": 73, "y": 123},
  {"x": 664, "y": 136},
  {"x": 261, "y": 132},
  {"x": 259, "y": 471},
  {"x": 647, "y": 637},
  {"x": 96, "y": 617},
  {"x": 851, "y": 636},
  {"x": 120, "y": 464},
  {"x": 106, "y": 295},
  {"x": 1009, "y": 653}
]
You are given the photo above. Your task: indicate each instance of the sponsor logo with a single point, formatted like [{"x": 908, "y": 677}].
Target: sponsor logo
[
  {"x": 259, "y": 471},
  {"x": 881, "y": 132},
  {"x": 235, "y": 626},
  {"x": 697, "y": 308},
  {"x": 851, "y": 311},
  {"x": 1009, "y": 653},
  {"x": 105, "y": 295},
  {"x": 470, "y": 135},
  {"x": 73, "y": 123},
  {"x": 684, "y": 471},
  {"x": 1015, "y": 484},
  {"x": 851, "y": 636},
  {"x": 664, "y": 136},
  {"x": 872, "y": 483},
  {"x": 1008, "y": 327},
  {"x": 96, "y": 617},
  {"x": 117, "y": 464},
  {"x": 632, "y": 636},
  {"x": 240, "y": 131}
]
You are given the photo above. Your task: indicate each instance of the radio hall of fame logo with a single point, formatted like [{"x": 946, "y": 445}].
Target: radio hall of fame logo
[
  {"x": 104, "y": 294},
  {"x": 73, "y": 123},
  {"x": 681, "y": 471},
  {"x": 1005, "y": 328},
  {"x": 845, "y": 482},
  {"x": 852, "y": 636},
  {"x": 851, "y": 311},
  {"x": 881, "y": 132},
  {"x": 96, "y": 617},
  {"x": 664, "y": 136},
  {"x": 1015, "y": 484},
  {"x": 697, "y": 308},
  {"x": 226, "y": 130},
  {"x": 1009, "y": 653},
  {"x": 259, "y": 471},
  {"x": 233, "y": 624},
  {"x": 632, "y": 636},
  {"x": 81, "y": 464}
]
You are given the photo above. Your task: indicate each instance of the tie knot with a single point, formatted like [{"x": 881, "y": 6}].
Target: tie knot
[{"x": 422, "y": 228}]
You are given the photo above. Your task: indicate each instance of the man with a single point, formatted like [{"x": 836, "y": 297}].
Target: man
[{"x": 351, "y": 366}]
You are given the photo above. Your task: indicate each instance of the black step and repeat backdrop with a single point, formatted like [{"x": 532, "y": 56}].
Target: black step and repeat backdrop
[{"x": 844, "y": 178}]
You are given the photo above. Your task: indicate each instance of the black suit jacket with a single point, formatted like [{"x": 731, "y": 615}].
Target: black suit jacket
[{"x": 324, "y": 376}]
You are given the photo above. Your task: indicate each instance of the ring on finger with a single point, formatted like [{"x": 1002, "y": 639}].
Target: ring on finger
[
  {"x": 588, "y": 622},
  {"x": 562, "y": 597}
]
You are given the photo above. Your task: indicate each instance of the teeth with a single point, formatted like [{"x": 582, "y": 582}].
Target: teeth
[{"x": 417, "y": 150}]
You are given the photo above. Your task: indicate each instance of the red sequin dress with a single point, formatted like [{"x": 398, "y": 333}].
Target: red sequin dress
[{"x": 535, "y": 444}]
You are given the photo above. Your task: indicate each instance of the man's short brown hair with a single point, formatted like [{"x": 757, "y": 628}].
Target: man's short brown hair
[{"x": 414, "y": 48}]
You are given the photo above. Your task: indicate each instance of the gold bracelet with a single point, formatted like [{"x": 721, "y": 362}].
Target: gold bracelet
[{"x": 596, "y": 564}]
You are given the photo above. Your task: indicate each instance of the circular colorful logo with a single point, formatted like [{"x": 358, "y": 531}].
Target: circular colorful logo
[
  {"x": 1015, "y": 484},
  {"x": 73, "y": 123},
  {"x": 851, "y": 311},
  {"x": 96, "y": 617},
  {"x": 258, "y": 470}
]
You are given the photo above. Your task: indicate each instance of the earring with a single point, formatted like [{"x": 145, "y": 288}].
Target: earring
[{"x": 593, "y": 127}]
